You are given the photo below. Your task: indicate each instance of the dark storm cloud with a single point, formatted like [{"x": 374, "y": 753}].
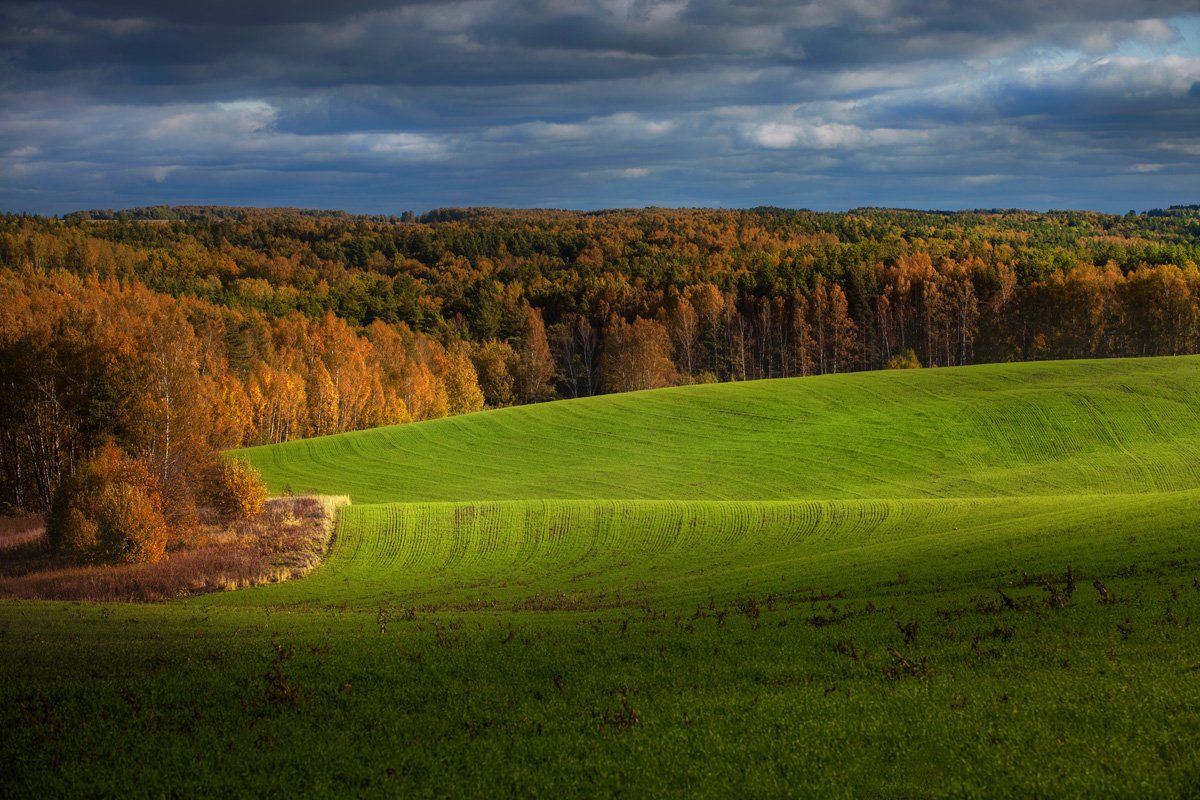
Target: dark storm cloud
[{"x": 385, "y": 106}]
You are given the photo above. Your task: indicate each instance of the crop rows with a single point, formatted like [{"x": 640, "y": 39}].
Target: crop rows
[
  {"x": 682, "y": 493},
  {"x": 678, "y": 552}
]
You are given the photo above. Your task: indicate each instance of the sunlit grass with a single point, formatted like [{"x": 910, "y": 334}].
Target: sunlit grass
[{"x": 963, "y": 582}]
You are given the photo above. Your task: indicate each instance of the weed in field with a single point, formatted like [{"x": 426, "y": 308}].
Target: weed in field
[
  {"x": 900, "y": 666},
  {"x": 621, "y": 717},
  {"x": 910, "y": 631},
  {"x": 281, "y": 691}
]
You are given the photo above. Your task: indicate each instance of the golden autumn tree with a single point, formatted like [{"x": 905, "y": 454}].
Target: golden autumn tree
[
  {"x": 492, "y": 360},
  {"x": 683, "y": 324},
  {"x": 834, "y": 341},
  {"x": 322, "y": 401},
  {"x": 392, "y": 348},
  {"x": 637, "y": 356},
  {"x": 235, "y": 487},
  {"x": 457, "y": 374},
  {"x": 278, "y": 404},
  {"x": 421, "y": 387},
  {"x": 110, "y": 510},
  {"x": 231, "y": 415},
  {"x": 533, "y": 367},
  {"x": 1161, "y": 310},
  {"x": 348, "y": 359},
  {"x": 802, "y": 340}
]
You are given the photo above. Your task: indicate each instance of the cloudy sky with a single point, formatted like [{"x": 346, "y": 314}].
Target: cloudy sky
[{"x": 385, "y": 106}]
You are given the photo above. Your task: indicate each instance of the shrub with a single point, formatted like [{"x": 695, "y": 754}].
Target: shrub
[
  {"x": 906, "y": 360},
  {"x": 697, "y": 378},
  {"x": 109, "y": 511},
  {"x": 236, "y": 489}
]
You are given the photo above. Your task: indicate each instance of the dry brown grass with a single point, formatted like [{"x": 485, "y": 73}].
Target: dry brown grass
[
  {"x": 18, "y": 532},
  {"x": 286, "y": 540}
]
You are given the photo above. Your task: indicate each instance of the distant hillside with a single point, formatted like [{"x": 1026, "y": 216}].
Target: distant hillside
[{"x": 1051, "y": 428}]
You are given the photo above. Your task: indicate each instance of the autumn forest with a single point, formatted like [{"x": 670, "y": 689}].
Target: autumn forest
[{"x": 178, "y": 332}]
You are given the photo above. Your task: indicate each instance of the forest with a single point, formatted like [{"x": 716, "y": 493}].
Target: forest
[{"x": 175, "y": 333}]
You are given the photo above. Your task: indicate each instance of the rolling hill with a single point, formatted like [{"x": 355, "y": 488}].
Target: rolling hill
[
  {"x": 680, "y": 494},
  {"x": 983, "y": 431},
  {"x": 968, "y": 582}
]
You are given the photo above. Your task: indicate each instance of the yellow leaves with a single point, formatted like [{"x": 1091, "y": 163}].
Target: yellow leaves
[
  {"x": 463, "y": 394},
  {"x": 322, "y": 401},
  {"x": 492, "y": 360},
  {"x": 236, "y": 488}
]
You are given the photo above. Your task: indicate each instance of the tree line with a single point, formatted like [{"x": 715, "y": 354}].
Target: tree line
[{"x": 176, "y": 333}]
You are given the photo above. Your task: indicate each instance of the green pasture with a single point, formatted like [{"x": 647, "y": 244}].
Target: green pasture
[
  {"x": 975, "y": 582},
  {"x": 1046, "y": 428}
]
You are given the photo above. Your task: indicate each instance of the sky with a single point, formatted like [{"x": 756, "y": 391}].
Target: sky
[{"x": 383, "y": 107}]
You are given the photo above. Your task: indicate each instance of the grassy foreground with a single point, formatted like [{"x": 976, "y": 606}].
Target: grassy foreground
[{"x": 841, "y": 586}]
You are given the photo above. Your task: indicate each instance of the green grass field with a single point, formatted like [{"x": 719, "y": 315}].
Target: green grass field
[{"x": 845, "y": 586}]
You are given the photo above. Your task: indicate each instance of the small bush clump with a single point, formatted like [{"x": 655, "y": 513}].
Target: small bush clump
[
  {"x": 906, "y": 360},
  {"x": 109, "y": 511},
  {"x": 236, "y": 489}
]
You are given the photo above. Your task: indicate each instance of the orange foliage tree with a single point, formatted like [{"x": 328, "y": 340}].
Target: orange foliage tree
[
  {"x": 637, "y": 356},
  {"x": 235, "y": 488},
  {"x": 109, "y": 511}
]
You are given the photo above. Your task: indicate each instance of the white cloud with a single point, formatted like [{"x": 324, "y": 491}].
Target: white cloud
[
  {"x": 982, "y": 180},
  {"x": 823, "y": 135},
  {"x": 161, "y": 173},
  {"x": 399, "y": 145},
  {"x": 620, "y": 126},
  {"x": 237, "y": 118}
]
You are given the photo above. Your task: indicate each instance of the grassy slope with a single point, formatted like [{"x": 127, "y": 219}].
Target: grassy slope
[
  {"x": 694, "y": 591},
  {"x": 1042, "y": 428},
  {"x": 679, "y": 555}
]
